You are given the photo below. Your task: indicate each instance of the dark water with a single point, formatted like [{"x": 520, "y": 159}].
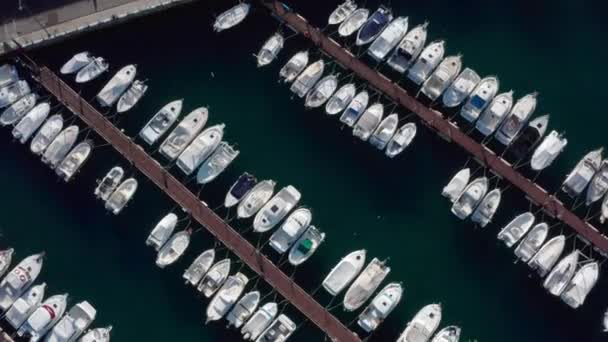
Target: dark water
[{"x": 360, "y": 199}]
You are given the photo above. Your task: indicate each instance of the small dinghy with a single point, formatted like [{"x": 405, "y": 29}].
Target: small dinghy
[
  {"x": 97, "y": 335},
  {"x": 294, "y": 226},
  {"x": 344, "y": 272},
  {"x": 73, "y": 324},
  {"x": 308, "y": 78},
  {"x": 442, "y": 77},
  {"x": 380, "y": 307},
  {"x": 47, "y": 133},
  {"x": 428, "y": 60},
  {"x": 409, "y": 49},
  {"x": 294, "y": 66},
  {"x": 255, "y": 199},
  {"x": 240, "y": 189},
  {"x": 456, "y": 185},
  {"x": 423, "y": 325},
  {"x": 162, "y": 231},
  {"x": 470, "y": 198},
  {"x": 599, "y": 184},
  {"x": 132, "y": 96},
  {"x": 365, "y": 285},
  {"x": 18, "y": 109},
  {"x": 31, "y": 122},
  {"x": 6, "y": 257},
  {"x": 19, "y": 279},
  {"x": 321, "y": 92},
  {"x": 529, "y": 137},
  {"x": 121, "y": 196},
  {"x": 270, "y": 50},
  {"x": 581, "y": 284},
  {"x": 487, "y": 208},
  {"x": 495, "y": 113},
  {"x": 116, "y": 86},
  {"x": 355, "y": 108},
  {"x": 516, "y": 120},
  {"x": 13, "y": 92},
  {"x": 109, "y": 183},
  {"x": 161, "y": 122},
  {"x": 388, "y": 39},
  {"x": 340, "y": 99},
  {"x": 604, "y": 210},
  {"x": 243, "y": 309},
  {"x": 448, "y": 334},
  {"x": 25, "y": 305},
  {"x": 342, "y": 12},
  {"x": 60, "y": 146},
  {"x": 516, "y": 229},
  {"x": 279, "y": 330},
  {"x": 92, "y": 70},
  {"x": 74, "y": 161},
  {"x": 173, "y": 249},
  {"x": 561, "y": 274},
  {"x": 184, "y": 133},
  {"x": 215, "y": 278},
  {"x": 461, "y": 88},
  {"x": 578, "y": 179},
  {"x": 548, "y": 150},
  {"x": 43, "y": 318},
  {"x": 401, "y": 140},
  {"x": 77, "y": 62},
  {"x": 276, "y": 209},
  {"x": 479, "y": 99},
  {"x": 353, "y": 22},
  {"x": 231, "y": 17},
  {"x": 306, "y": 246},
  {"x": 374, "y": 25},
  {"x": 223, "y": 156},
  {"x": 260, "y": 320},
  {"x": 226, "y": 296},
  {"x": 200, "y": 149},
  {"x": 384, "y": 132},
  {"x": 530, "y": 244},
  {"x": 548, "y": 255},
  {"x": 199, "y": 267},
  {"x": 8, "y": 75},
  {"x": 368, "y": 122}
]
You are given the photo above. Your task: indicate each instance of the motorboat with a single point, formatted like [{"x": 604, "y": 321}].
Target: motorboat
[
  {"x": 599, "y": 184},
  {"x": 195, "y": 272},
  {"x": 321, "y": 92},
  {"x": 116, "y": 86},
  {"x": 561, "y": 274},
  {"x": 529, "y": 137},
  {"x": 340, "y": 99},
  {"x": 495, "y": 113},
  {"x": 173, "y": 249},
  {"x": 401, "y": 140},
  {"x": 365, "y": 285},
  {"x": 353, "y": 22},
  {"x": 13, "y": 92},
  {"x": 380, "y": 307},
  {"x": 231, "y": 17},
  {"x": 226, "y": 297},
  {"x": 200, "y": 149},
  {"x": 215, "y": 278},
  {"x": 461, "y": 88},
  {"x": 6, "y": 257},
  {"x": 243, "y": 309},
  {"x": 223, "y": 156},
  {"x": 243, "y": 185},
  {"x": 19, "y": 279},
  {"x": 532, "y": 242},
  {"x": 73, "y": 324},
  {"x": 18, "y": 109},
  {"x": 604, "y": 213},
  {"x": 162, "y": 231},
  {"x": 516, "y": 119},
  {"x": 260, "y": 320},
  {"x": 60, "y": 146},
  {"x": 342, "y": 12},
  {"x": 408, "y": 49},
  {"x": 384, "y": 132},
  {"x": 442, "y": 77},
  {"x": 479, "y": 99},
  {"x": 8, "y": 75},
  {"x": 423, "y": 325},
  {"x": 344, "y": 272},
  {"x": 47, "y": 133},
  {"x": 470, "y": 198},
  {"x": 270, "y": 49},
  {"x": 74, "y": 161},
  {"x": 109, "y": 183},
  {"x": 279, "y": 330},
  {"x": 97, "y": 335},
  {"x": 484, "y": 213},
  {"x": 456, "y": 185},
  {"x": 294, "y": 66},
  {"x": 255, "y": 199},
  {"x": 43, "y": 318},
  {"x": 294, "y": 226},
  {"x": 548, "y": 150},
  {"x": 308, "y": 78},
  {"x": 28, "y": 125},
  {"x": 23, "y": 307},
  {"x": 369, "y": 121},
  {"x": 582, "y": 283},
  {"x": 92, "y": 70},
  {"x": 184, "y": 133},
  {"x": 578, "y": 179},
  {"x": 161, "y": 122},
  {"x": 388, "y": 39},
  {"x": 306, "y": 246},
  {"x": 77, "y": 62},
  {"x": 516, "y": 229},
  {"x": 121, "y": 196},
  {"x": 276, "y": 209},
  {"x": 428, "y": 60},
  {"x": 548, "y": 255},
  {"x": 355, "y": 108},
  {"x": 132, "y": 96},
  {"x": 448, "y": 334}
]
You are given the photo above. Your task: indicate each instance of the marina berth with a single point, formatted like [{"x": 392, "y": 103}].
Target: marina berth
[
  {"x": 43, "y": 318},
  {"x": 116, "y": 86},
  {"x": 408, "y": 49},
  {"x": 132, "y": 96},
  {"x": 365, "y": 285},
  {"x": 484, "y": 213},
  {"x": 97, "y": 335},
  {"x": 578, "y": 179},
  {"x": 260, "y": 320},
  {"x": 561, "y": 274},
  {"x": 522, "y": 146},
  {"x": 162, "y": 231},
  {"x": 516, "y": 229},
  {"x": 276, "y": 209},
  {"x": 279, "y": 330},
  {"x": 321, "y": 92},
  {"x": 516, "y": 119},
  {"x": 380, "y": 307},
  {"x": 92, "y": 70},
  {"x": 294, "y": 226},
  {"x": 388, "y": 39},
  {"x": 428, "y": 60},
  {"x": 226, "y": 296},
  {"x": 73, "y": 324},
  {"x": 341, "y": 12},
  {"x": 495, "y": 113},
  {"x": 456, "y": 185},
  {"x": 19, "y": 279},
  {"x": 121, "y": 196},
  {"x": 255, "y": 199},
  {"x": 582, "y": 283},
  {"x": 13, "y": 92},
  {"x": 221, "y": 158},
  {"x": 23, "y": 307},
  {"x": 109, "y": 183},
  {"x": 232, "y": 17},
  {"x": 340, "y": 99},
  {"x": 368, "y": 121},
  {"x": 215, "y": 278},
  {"x": 470, "y": 198},
  {"x": 442, "y": 77},
  {"x": 532, "y": 242},
  {"x": 548, "y": 150},
  {"x": 184, "y": 133},
  {"x": 374, "y": 25},
  {"x": 548, "y": 255},
  {"x": 344, "y": 272},
  {"x": 270, "y": 50},
  {"x": 8, "y": 75},
  {"x": 461, "y": 88},
  {"x": 423, "y": 325},
  {"x": 294, "y": 66},
  {"x": 200, "y": 149},
  {"x": 161, "y": 122},
  {"x": 46, "y": 134},
  {"x": 195, "y": 272},
  {"x": 308, "y": 78},
  {"x": 306, "y": 245},
  {"x": 28, "y": 125},
  {"x": 18, "y": 109},
  {"x": 243, "y": 309},
  {"x": 353, "y": 22},
  {"x": 74, "y": 161},
  {"x": 173, "y": 249},
  {"x": 448, "y": 334},
  {"x": 243, "y": 185},
  {"x": 479, "y": 99},
  {"x": 60, "y": 146},
  {"x": 6, "y": 257},
  {"x": 77, "y": 62},
  {"x": 384, "y": 132},
  {"x": 355, "y": 108},
  {"x": 599, "y": 184},
  {"x": 401, "y": 140}
]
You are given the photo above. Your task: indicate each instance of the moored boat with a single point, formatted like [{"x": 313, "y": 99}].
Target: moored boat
[
  {"x": 529, "y": 137},
  {"x": 279, "y": 330},
  {"x": 92, "y": 70},
  {"x": 479, "y": 99},
  {"x": 162, "y": 231},
  {"x": 74, "y": 160},
  {"x": 368, "y": 121},
  {"x": 353, "y": 22},
  {"x": 484, "y": 213},
  {"x": 215, "y": 278},
  {"x": 306, "y": 245},
  {"x": 23, "y": 307},
  {"x": 384, "y": 132},
  {"x": 321, "y": 92},
  {"x": 161, "y": 122},
  {"x": 294, "y": 66},
  {"x": 243, "y": 309},
  {"x": 516, "y": 119},
  {"x": 6, "y": 257},
  {"x": 116, "y": 86},
  {"x": 366, "y": 283},
  {"x": 259, "y": 321},
  {"x": 19, "y": 279},
  {"x": 60, "y": 146},
  {"x": 77, "y": 62},
  {"x": 408, "y": 49},
  {"x": 18, "y": 109},
  {"x": 561, "y": 274},
  {"x": 255, "y": 199},
  {"x": 270, "y": 50},
  {"x": 340, "y": 99},
  {"x": 226, "y": 297},
  {"x": 401, "y": 140},
  {"x": 121, "y": 196},
  {"x": 448, "y": 334},
  {"x": 495, "y": 113},
  {"x": 516, "y": 229},
  {"x": 582, "y": 283},
  {"x": 43, "y": 318},
  {"x": 456, "y": 185},
  {"x": 344, "y": 272},
  {"x": 342, "y": 12},
  {"x": 221, "y": 158},
  {"x": 46, "y": 134},
  {"x": 470, "y": 198},
  {"x": 13, "y": 92},
  {"x": 423, "y": 325},
  {"x": 461, "y": 88},
  {"x": 243, "y": 185},
  {"x": 173, "y": 249},
  {"x": 294, "y": 226},
  {"x": 547, "y": 255},
  {"x": 308, "y": 78},
  {"x": 428, "y": 60},
  {"x": 73, "y": 324},
  {"x": 380, "y": 307},
  {"x": 200, "y": 149},
  {"x": 355, "y": 108},
  {"x": 578, "y": 179},
  {"x": 97, "y": 335},
  {"x": 199, "y": 267},
  {"x": 604, "y": 214},
  {"x": 28, "y": 125},
  {"x": 109, "y": 183},
  {"x": 599, "y": 184},
  {"x": 132, "y": 96},
  {"x": 532, "y": 242},
  {"x": 388, "y": 39},
  {"x": 442, "y": 77},
  {"x": 548, "y": 150},
  {"x": 276, "y": 209},
  {"x": 184, "y": 133},
  {"x": 231, "y": 17},
  {"x": 8, "y": 75}
]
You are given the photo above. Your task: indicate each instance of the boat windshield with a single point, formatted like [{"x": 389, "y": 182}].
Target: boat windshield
[{"x": 477, "y": 102}]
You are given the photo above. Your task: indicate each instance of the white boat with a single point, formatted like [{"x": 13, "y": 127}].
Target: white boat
[
  {"x": 380, "y": 307},
  {"x": 8, "y": 75},
  {"x": 13, "y": 92},
  {"x": 517, "y": 118},
  {"x": 448, "y": 334},
  {"x": 60, "y": 146},
  {"x": 548, "y": 150},
  {"x": 294, "y": 226},
  {"x": 340, "y": 99},
  {"x": 578, "y": 179},
  {"x": 401, "y": 140},
  {"x": 215, "y": 278},
  {"x": 28, "y": 125},
  {"x": 43, "y": 318},
  {"x": 365, "y": 285},
  {"x": 162, "y": 231},
  {"x": 599, "y": 184},
  {"x": 344, "y": 272},
  {"x": 408, "y": 49},
  {"x": 423, "y": 325},
  {"x": 442, "y": 77},
  {"x": 384, "y": 132},
  {"x": 487, "y": 208},
  {"x": 97, "y": 335},
  {"x": 200, "y": 149},
  {"x": 243, "y": 309},
  {"x": 456, "y": 185},
  {"x": 495, "y": 113},
  {"x": 173, "y": 249},
  {"x": 270, "y": 49},
  {"x": 161, "y": 122},
  {"x": 306, "y": 245},
  {"x": 116, "y": 86},
  {"x": 529, "y": 137},
  {"x": 221, "y": 158},
  {"x": 132, "y": 96},
  {"x": 374, "y": 25},
  {"x": 73, "y": 324},
  {"x": 6, "y": 257},
  {"x": 561, "y": 274},
  {"x": 184, "y": 133},
  {"x": 255, "y": 199},
  {"x": 388, "y": 39},
  {"x": 428, "y": 60},
  {"x": 109, "y": 183},
  {"x": 308, "y": 78},
  {"x": 77, "y": 62},
  {"x": 355, "y": 108},
  {"x": 199, "y": 267},
  {"x": 18, "y": 109},
  {"x": 231, "y": 17},
  {"x": 532, "y": 242},
  {"x": 74, "y": 161},
  {"x": 19, "y": 280},
  {"x": 121, "y": 196},
  {"x": 243, "y": 185},
  {"x": 226, "y": 297},
  {"x": 604, "y": 214},
  {"x": 260, "y": 320},
  {"x": 516, "y": 229},
  {"x": 581, "y": 284},
  {"x": 47, "y": 133},
  {"x": 461, "y": 88},
  {"x": 279, "y": 330},
  {"x": 548, "y": 255},
  {"x": 479, "y": 99},
  {"x": 92, "y": 70},
  {"x": 368, "y": 121},
  {"x": 470, "y": 198},
  {"x": 294, "y": 66},
  {"x": 23, "y": 307},
  {"x": 353, "y": 22},
  {"x": 321, "y": 92},
  {"x": 342, "y": 12},
  {"x": 276, "y": 209}
]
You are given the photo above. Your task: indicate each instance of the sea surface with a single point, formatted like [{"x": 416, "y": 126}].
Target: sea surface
[{"x": 359, "y": 198}]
